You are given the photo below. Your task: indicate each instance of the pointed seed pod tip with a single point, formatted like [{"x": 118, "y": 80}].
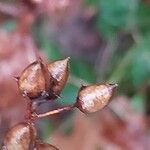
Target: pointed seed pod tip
[{"x": 60, "y": 72}]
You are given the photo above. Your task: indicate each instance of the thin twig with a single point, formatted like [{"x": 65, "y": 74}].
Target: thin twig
[
  {"x": 56, "y": 111},
  {"x": 29, "y": 111}
]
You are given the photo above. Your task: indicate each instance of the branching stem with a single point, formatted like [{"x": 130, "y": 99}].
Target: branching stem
[
  {"x": 29, "y": 112},
  {"x": 56, "y": 111}
]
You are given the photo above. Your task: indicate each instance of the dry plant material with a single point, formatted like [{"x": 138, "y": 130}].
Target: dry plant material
[
  {"x": 40, "y": 81},
  {"x": 104, "y": 130},
  {"x": 53, "y": 112},
  {"x": 35, "y": 80},
  {"x": 59, "y": 71},
  {"x": 44, "y": 146},
  {"x": 20, "y": 137},
  {"x": 14, "y": 48},
  {"x": 94, "y": 97},
  {"x": 16, "y": 52}
]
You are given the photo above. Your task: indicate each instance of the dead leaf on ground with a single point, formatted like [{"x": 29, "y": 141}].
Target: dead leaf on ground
[
  {"x": 105, "y": 130},
  {"x": 17, "y": 50}
]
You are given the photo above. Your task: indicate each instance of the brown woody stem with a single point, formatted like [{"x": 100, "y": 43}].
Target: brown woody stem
[
  {"x": 29, "y": 111},
  {"x": 56, "y": 111}
]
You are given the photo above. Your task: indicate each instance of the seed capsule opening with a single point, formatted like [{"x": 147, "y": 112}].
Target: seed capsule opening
[
  {"x": 34, "y": 80},
  {"x": 60, "y": 72}
]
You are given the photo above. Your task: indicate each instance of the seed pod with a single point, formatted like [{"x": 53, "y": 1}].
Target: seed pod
[
  {"x": 44, "y": 146},
  {"x": 59, "y": 71},
  {"x": 35, "y": 80},
  {"x": 20, "y": 137},
  {"x": 94, "y": 97}
]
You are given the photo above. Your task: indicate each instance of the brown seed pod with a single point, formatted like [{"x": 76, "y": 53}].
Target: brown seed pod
[
  {"x": 59, "y": 71},
  {"x": 94, "y": 97},
  {"x": 44, "y": 146},
  {"x": 20, "y": 137},
  {"x": 35, "y": 80}
]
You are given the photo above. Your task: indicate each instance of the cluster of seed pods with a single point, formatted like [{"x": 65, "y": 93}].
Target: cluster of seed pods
[{"x": 40, "y": 82}]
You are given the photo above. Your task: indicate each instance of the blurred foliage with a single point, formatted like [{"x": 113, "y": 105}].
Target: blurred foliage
[
  {"x": 8, "y": 25},
  {"x": 131, "y": 16},
  {"x": 116, "y": 15},
  {"x": 135, "y": 66}
]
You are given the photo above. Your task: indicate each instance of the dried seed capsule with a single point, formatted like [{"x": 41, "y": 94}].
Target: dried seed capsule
[
  {"x": 59, "y": 71},
  {"x": 94, "y": 97},
  {"x": 20, "y": 137},
  {"x": 44, "y": 146},
  {"x": 35, "y": 80}
]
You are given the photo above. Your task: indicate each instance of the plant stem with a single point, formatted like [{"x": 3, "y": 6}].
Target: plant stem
[
  {"x": 56, "y": 111},
  {"x": 29, "y": 111}
]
